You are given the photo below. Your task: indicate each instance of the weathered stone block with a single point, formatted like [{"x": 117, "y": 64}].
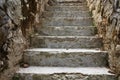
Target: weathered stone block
[
  {"x": 66, "y": 14},
  {"x": 67, "y": 30},
  {"x": 66, "y": 42},
  {"x": 64, "y": 57},
  {"x": 65, "y": 73},
  {"x": 63, "y": 21}
]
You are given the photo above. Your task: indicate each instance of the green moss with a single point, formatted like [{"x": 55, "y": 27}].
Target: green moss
[
  {"x": 16, "y": 77},
  {"x": 96, "y": 30}
]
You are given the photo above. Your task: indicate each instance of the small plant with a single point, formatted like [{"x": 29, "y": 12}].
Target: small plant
[{"x": 16, "y": 77}]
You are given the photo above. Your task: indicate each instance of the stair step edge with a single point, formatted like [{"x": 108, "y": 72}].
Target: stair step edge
[
  {"x": 53, "y": 70},
  {"x": 65, "y": 50}
]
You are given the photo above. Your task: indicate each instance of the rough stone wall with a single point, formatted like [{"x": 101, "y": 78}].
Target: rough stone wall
[
  {"x": 106, "y": 14},
  {"x": 31, "y": 11},
  {"x": 17, "y": 18},
  {"x": 11, "y": 39}
]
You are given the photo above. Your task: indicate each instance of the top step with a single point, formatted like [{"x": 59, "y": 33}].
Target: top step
[
  {"x": 66, "y": 8},
  {"x": 71, "y": 2}
]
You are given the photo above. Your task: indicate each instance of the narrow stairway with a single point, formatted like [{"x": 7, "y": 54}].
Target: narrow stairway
[{"x": 66, "y": 46}]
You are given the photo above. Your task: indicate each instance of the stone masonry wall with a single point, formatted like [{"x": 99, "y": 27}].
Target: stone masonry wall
[
  {"x": 17, "y": 18},
  {"x": 106, "y": 14},
  {"x": 11, "y": 39}
]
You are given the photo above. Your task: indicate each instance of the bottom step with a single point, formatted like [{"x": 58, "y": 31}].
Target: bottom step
[{"x": 64, "y": 73}]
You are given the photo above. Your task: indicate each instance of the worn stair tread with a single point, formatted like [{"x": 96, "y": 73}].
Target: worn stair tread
[
  {"x": 66, "y": 30},
  {"x": 71, "y": 27},
  {"x": 62, "y": 37},
  {"x": 71, "y": 18},
  {"x": 65, "y": 50},
  {"x": 72, "y": 1},
  {"x": 66, "y": 14},
  {"x": 65, "y": 73},
  {"x": 71, "y": 21},
  {"x": 71, "y": 4},
  {"x": 58, "y": 6},
  {"x": 66, "y": 57},
  {"x": 66, "y": 42},
  {"x": 53, "y": 70},
  {"x": 66, "y": 8}
]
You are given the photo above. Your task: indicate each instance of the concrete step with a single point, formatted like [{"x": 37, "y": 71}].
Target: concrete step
[
  {"x": 71, "y": 2},
  {"x": 64, "y": 73},
  {"x": 66, "y": 57},
  {"x": 66, "y": 42},
  {"x": 66, "y": 14},
  {"x": 62, "y": 21},
  {"x": 67, "y": 30},
  {"x": 67, "y": 8}
]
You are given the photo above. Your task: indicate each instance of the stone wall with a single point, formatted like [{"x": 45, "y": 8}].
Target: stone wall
[
  {"x": 106, "y": 14},
  {"x": 12, "y": 42},
  {"x": 17, "y": 18}
]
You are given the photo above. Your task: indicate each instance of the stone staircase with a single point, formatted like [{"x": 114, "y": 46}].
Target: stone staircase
[{"x": 66, "y": 47}]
